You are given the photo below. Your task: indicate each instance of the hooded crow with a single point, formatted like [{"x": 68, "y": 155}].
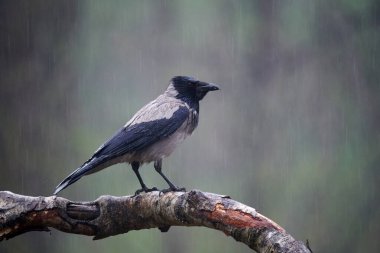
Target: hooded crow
[{"x": 151, "y": 134}]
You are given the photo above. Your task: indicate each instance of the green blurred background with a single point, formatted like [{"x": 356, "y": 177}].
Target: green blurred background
[{"x": 294, "y": 132}]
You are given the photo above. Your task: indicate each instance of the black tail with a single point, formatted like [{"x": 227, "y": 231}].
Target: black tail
[{"x": 85, "y": 169}]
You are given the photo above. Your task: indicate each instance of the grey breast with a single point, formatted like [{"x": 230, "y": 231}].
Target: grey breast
[
  {"x": 163, "y": 107},
  {"x": 165, "y": 147}
]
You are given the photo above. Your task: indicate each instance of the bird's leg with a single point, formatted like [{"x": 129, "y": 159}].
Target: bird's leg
[
  {"x": 172, "y": 187},
  {"x": 135, "y": 167}
]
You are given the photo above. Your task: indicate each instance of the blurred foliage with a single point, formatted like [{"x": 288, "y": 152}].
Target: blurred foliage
[{"x": 294, "y": 131}]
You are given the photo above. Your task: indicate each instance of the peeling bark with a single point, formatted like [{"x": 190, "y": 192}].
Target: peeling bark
[{"x": 109, "y": 215}]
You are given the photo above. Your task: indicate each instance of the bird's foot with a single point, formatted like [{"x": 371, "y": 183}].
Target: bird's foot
[
  {"x": 145, "y": 189},
  {"x": 164, "y": 229},
  {"x": 173, "y": 189}
]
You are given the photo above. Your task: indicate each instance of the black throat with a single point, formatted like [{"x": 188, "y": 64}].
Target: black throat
[{"x": 192, "y": 101}]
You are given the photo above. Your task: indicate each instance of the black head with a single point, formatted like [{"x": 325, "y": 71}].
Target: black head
[{"x": 185, "y": 87}]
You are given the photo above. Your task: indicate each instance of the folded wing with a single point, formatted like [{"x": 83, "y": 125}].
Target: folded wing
[{"x": 134, "y": 137}]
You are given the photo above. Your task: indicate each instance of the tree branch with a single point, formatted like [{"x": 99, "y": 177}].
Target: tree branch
[{"x": 110, "y": 215}]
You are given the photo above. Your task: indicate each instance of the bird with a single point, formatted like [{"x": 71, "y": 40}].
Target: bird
[{"x": 151, "y": 134}]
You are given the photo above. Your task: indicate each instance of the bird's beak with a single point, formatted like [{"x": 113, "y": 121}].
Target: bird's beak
[{"x": 208, "y": 86}]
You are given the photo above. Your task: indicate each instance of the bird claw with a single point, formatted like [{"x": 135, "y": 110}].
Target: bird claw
[
  {"x": 152, "y": 189},
  {"x": 173, "y": 189},
  {"x": 179, "y": 189},
  {"x": 145, "y": 190},
  {"x": 164, "y": 229}
]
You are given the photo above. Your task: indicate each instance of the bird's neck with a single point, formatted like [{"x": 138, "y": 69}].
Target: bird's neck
[
  {"x": 193, "y": 103},
  {"x": 189, "y": 99}
]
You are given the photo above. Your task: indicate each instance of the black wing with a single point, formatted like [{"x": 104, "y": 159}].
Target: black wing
[
  {"x": 140, "y": 136},
  {"x": 129, "y": 139}
]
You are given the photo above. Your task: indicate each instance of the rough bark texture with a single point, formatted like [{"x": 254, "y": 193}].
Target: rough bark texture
[{"x": 110, "y": 215}]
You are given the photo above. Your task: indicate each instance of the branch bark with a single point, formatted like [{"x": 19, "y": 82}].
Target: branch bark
[{"x": 109, "y": 215}]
